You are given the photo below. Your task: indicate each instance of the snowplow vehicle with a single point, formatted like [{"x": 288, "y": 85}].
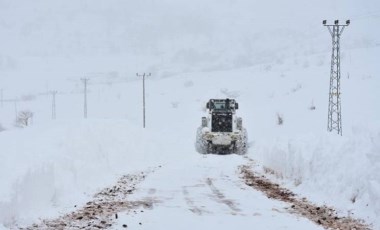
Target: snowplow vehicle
[{"x": 221, "y": 132}]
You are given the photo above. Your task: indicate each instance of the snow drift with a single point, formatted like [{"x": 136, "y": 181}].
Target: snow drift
[{"x": 344, "y": 170}]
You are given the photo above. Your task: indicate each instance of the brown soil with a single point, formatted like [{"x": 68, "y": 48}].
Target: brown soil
[{"x": 321, "y": 215}]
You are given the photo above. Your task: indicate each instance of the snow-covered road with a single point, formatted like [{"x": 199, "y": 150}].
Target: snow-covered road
[
  {"x": 203, "y": 192},
  {"x": 199, "y": 192}
]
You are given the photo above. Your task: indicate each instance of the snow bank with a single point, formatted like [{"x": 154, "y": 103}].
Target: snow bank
[
  {"x": 55, "y": 166},
  {"x": 339, "y": 171}
]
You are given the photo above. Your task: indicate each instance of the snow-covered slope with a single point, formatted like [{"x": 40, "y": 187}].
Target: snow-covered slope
[{"x": 273, "y": 60}]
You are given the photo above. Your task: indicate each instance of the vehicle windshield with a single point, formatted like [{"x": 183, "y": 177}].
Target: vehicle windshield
[{"x": 219, "y": 105}]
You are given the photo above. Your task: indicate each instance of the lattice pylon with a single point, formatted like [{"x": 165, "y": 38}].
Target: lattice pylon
[{"x": 334, "y": 121}]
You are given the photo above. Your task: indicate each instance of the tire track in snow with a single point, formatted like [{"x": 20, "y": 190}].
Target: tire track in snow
[
  {"x": 220, "y": 197},
  {"x": 190, "y": 202},
  {"x": 101, "y": 212},
  {"x": 216, "y": 195}
]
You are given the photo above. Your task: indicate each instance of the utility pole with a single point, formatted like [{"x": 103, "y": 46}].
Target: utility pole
[
  {"x": 334, "y": 121},
  {"x": 16, "y": 112},
  {"x": 143, "y": 77},
  {"x": 1, "y": 97},
  {"x": 85, "y": 80},
  {"x": 53, "y": 114}
]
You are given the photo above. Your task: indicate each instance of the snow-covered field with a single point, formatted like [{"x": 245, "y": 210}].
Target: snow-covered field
[{"x": 274, "y": 62}]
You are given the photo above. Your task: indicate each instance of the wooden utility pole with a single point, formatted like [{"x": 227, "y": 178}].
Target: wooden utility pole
[
  {"x": 53, "y": 112},
  {"x": 85, "y": 80},
  {"x": 143, "y": 77},
  {"x": 1, "y": 97}
]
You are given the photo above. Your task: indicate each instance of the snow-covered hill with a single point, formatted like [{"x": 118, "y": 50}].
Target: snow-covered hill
[{"x": 274, "y": 58}]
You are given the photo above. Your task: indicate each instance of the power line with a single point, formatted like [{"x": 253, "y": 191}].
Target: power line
[{"x": 334, "y": 120}]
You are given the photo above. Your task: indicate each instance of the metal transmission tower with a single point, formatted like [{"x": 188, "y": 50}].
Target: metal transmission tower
[
  {"x": 85, "y": 80},
  {"x": 143, "y": 76},
  {"x": 334, "y": 121},
  {"x": 53, "y": 114}
]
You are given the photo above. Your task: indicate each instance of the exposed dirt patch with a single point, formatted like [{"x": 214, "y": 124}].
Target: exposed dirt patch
[
  {"x": 321, "y": 215},
  {"x": 101, "y": 212}
]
